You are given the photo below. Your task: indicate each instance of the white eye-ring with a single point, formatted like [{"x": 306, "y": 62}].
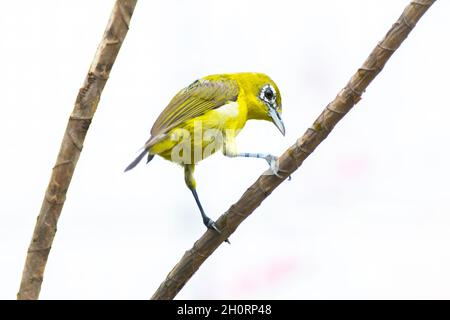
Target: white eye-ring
[{"x": 268, "y": 94}]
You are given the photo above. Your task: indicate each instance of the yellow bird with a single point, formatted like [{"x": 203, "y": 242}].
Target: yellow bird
[{"x": 206, "y": 116}]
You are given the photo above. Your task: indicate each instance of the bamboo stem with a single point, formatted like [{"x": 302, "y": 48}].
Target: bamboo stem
[{"x": 71, "y": 146}]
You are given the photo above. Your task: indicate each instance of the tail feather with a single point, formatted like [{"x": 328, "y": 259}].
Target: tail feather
[{"x": 137, "y": 160}]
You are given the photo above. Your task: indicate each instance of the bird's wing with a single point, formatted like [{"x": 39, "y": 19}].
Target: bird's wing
[{"x": 193, "y": 101}]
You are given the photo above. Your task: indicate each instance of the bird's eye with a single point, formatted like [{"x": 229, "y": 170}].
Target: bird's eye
[{"x": 268, "y": 94}]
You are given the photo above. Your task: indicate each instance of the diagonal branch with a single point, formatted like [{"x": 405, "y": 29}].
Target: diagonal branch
[
  {"x": 293, "y": 157},
  {"x": 71, "y": 146}
]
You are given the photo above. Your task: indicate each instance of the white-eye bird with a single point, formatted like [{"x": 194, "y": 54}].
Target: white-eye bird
[{"x": 206, "y": 116}]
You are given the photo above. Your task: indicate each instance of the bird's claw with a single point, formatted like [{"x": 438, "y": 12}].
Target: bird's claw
[
  {"x": 212, "y": 225},
  {"x": 273, "y": 164}
]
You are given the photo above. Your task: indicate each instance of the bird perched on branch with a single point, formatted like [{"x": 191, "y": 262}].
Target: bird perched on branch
[{"x": 206, "y": 117}]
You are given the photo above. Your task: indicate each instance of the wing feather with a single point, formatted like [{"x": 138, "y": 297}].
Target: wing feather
[{"x": 193, "y": 101}]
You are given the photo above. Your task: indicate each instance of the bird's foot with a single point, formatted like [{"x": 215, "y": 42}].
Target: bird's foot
[
  {"x": 273, "y": 164},
  {"x": 210, "y": 224}
]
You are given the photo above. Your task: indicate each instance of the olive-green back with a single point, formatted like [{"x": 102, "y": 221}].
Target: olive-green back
[{"x": 193, "y": 101}]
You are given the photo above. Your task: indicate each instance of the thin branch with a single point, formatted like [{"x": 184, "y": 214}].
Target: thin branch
[
  {"x": 293, "y": 157},
  {"x": 71, "y": 146}
]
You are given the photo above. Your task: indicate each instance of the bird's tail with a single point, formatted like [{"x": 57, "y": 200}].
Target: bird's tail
[{"x": 139, "y": 158}]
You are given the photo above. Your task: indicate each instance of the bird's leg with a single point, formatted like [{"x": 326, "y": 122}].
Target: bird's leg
[
  {"x": 190, "y": 182},
  {"x": 271, "y": 160},
  {"x": 229, "y": 150}
]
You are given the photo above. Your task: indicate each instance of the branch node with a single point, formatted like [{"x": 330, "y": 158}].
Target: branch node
[
  {"x": 363, "y": 68},
  {"x": 40, "y": 250},
  {"x": 195, "y": 251},
  {"x": 355, "y": 92},
  {"x": 405, "y": 21},
  {"x": 53, "y": 199},
  {"x": 77, "y": 144},
  {"x": 233, "y": 210},
  {"x": 303, "y": 149},
  {"x": 334, "y": 110},
  {"x": 262, "y": 189},
  {"x": 111, "y": 42},
  {"x": 62, "y": 163},
  {"x": 101, "y": 72},
  {"x": 382, "y": 46},
  {"x": 422, "y": 4},
  {"x": 79, "y": 118},
  {"x": 125, "y": 16}
]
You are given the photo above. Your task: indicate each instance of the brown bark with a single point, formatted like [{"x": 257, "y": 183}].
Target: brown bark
[
  {"x": 71, "y": 146},
  {"x": 293, "y": 157}
]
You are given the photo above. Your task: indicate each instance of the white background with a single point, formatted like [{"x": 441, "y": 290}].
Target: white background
[{"x": 366, "y": 216}]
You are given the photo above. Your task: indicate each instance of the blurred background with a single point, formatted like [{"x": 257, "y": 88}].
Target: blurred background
[{"x": 366, "y": 216}]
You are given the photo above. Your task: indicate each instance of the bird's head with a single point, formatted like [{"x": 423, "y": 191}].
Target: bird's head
[{"x": 263, "y": 98}]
